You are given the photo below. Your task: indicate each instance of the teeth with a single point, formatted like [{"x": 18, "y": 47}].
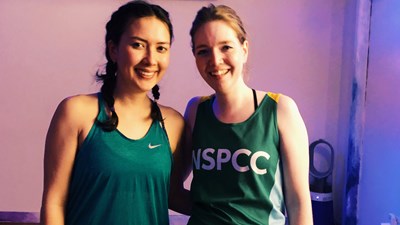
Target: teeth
[
  {"x": 218, "y": 72},
  {"x": 145, "y": 73}
]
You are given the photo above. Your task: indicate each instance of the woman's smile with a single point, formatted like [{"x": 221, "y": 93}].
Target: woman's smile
[
  {"x": 217, "y": 73},
  {"x": 146, "y": 73}
]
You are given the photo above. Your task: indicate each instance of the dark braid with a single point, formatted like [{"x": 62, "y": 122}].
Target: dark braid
[
  {"x": 118, "y": 23},
  {"x": 156, "y": 92},
  {"x": 155, "y": 109},
  {"x": 107, "y": 90}
]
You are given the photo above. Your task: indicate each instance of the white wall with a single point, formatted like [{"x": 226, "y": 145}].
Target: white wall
[{"x": 51, "y": 49}]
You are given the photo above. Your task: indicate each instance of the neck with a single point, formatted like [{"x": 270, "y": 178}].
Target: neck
[
  {"x": 235, "y": 106},
  {"x": 132, "y": 100},
  {"x": 233, "y": 97}
]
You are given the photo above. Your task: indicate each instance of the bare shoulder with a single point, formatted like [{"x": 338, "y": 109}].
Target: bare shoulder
[
  {"x": 174, "y": 124},
  {"x": 286, "y": 103},
  {"x": 288, "y": 114},
  {"x": 79, "y": 100},
  {"x": 191, "y": 109},
  {"x": 173, "y": 119},
  {"x": 193, "y": 103},
  {"x": 78, "y": 108},
  {"x": 79, "y": 103},
  {"x": 170, "y": 113}
]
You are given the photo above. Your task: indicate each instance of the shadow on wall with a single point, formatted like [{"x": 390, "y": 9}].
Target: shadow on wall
[{"x": 32, "y": 218}]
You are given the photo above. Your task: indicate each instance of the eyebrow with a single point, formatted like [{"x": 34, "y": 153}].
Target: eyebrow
[
  {"x": 144, "y": 40},
  {"x": 219, "y": 43}
]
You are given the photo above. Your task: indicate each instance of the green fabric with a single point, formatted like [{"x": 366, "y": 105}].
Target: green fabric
[
  {"x": 236, "y": 168},
  {"x": 117, "y": 180}
]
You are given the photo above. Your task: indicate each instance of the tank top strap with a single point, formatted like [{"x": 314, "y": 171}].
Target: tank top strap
[
  {"x": 274, "y": 96},
  {"x": 255, "y": 99},
  {"x": 162, "y": 124}
]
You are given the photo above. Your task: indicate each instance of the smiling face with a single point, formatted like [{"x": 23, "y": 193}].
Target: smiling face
[
  {"x": 219, "y": 55},
  {"x": 142, "y": 54}
]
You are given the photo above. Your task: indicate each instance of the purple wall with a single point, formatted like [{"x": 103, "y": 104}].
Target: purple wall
[{"x": 51, "y": 49}]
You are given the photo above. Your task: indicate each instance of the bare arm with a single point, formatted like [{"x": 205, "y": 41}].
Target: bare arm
[
  {"x": 190, "y": 117},
  {"x": 184, "y": 162},
  {"x": 60, "y": 149},
  {"x": 179, "y": 197},
  {"x": 295, "y": 159}
]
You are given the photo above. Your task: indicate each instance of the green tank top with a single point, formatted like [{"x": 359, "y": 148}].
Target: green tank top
[
  {"x": 120, "y": 181},
  {"x": 236, "y": 168}
]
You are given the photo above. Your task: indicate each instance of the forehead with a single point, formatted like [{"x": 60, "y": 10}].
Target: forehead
[
  {"x": 214, "y": 32},
  {"x": 148, "y": 28}
]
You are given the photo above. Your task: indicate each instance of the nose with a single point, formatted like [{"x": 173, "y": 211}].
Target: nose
[
  {"x": 216, "y": 58},
  {"x": 150, "y": 57}
]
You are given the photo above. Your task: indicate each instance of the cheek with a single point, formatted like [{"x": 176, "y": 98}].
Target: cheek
[
  {"x": 129, "y": 57},
  {"x": 200, "y": 63},
  {"x": 165, "y": 59},
  {"x": 200, "y": 68},
  {"x": 165, "y": 63},
  {"x": 236, "y": 61}
]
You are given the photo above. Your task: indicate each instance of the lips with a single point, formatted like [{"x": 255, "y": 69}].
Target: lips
[
  {"x": 217, "y": 73},
  {"x": 146, "y": 73}
]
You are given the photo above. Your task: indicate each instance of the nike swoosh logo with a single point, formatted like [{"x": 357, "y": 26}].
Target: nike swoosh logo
[{"x": 153, "y": 146}]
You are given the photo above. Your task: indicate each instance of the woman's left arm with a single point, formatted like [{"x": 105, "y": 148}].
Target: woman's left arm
[
  {"x": 295, "y": 160},
  {"x": 179, "y": 197}
]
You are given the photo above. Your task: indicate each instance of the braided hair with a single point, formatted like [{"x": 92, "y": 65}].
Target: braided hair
[{"x": 115, "y": 27}]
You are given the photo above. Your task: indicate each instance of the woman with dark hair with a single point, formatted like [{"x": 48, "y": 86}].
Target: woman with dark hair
[
  {"x": 249, "y": 147},
  {"x": 108, "y": 155}
]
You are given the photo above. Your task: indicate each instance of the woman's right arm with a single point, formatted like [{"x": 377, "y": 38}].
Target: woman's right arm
[{"x": 60, "y": 149}]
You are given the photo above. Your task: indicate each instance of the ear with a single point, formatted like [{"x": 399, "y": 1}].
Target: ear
[
  {"x": 112, "y": 50},
  {"x": 245, "y": 47}
]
